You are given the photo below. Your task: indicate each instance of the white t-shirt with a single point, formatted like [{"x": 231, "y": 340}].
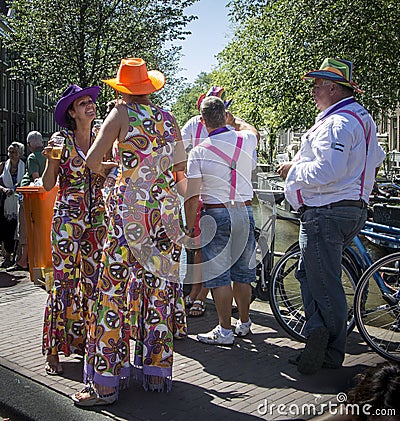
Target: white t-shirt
[
  {"x": 215, "y": 172},
  {"x": 194, "y": 132},
  {"x": 190, "y": 133}
]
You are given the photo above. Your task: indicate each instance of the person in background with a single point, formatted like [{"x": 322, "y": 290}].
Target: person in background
[
  {"x": 11, "y": 173},
  {"x": 34, "y": 169},
  {"x": 329, "y": 183},
  {"x": 139, "y": 291},
  {"x": 227, "y": 223},
  {"x": 193, "y": 133},
  {"x": 78, "y": 228}
]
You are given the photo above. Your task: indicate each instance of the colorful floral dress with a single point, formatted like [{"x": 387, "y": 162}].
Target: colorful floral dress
[
  {"x": 140, "y": 296},
  {"x": 78, "y": 233}
]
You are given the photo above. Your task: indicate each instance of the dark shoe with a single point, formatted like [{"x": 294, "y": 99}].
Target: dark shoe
[
  {"x": 16, "y": 267},
  {"x": 331, "y": 366},
  {"x": 313, "y": 355},
  {"x": 294, "y": 359}
]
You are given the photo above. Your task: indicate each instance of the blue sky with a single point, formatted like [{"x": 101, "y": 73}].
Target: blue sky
[{"x": 210, "y": 33}]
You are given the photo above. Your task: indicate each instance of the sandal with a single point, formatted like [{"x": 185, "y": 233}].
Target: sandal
[
  {"x": 155, "y": 384},
  {"x": 89, "y": 397},
  {"x": 188, "y": 301},
  {"x": 53, "y": 368},
  {"x": 198, "y": 308}
]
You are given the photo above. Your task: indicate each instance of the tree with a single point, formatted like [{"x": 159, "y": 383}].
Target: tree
[
  {"x": 185, "y": 106},
  {"x": 59, "y": 42},
  {"x": 277, "y": 41}
]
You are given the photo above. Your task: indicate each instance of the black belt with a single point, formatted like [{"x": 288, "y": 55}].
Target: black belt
[
  {"x": 225, "y": 205},
  {"x": 357, "y": 203}
]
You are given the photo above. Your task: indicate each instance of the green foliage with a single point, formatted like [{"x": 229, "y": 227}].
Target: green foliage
[
  {"x": 59, "y": 42},
  {"x": 277, "y": 41},
  {"x": 185, "y": 106}
]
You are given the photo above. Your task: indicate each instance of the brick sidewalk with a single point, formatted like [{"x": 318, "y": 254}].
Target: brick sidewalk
[{"x": 246, "y": 381}]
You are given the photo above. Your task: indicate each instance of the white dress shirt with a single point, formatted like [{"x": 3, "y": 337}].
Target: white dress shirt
[{"x": 330, "y": 163}]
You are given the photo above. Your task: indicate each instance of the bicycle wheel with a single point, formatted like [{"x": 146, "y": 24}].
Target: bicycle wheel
[
  {"x": 377, "y": 307},
  {"x": 285, "y": 295}
]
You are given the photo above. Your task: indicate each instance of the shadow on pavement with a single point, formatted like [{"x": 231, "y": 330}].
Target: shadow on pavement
[
  {"x": 271, "y": 350},
  {"x": 9, "y": 279}
]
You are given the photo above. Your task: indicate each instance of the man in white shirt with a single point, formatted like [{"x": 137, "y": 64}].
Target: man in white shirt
[
  {"x": 193, "y": 133},
  {"x": 329, "y": 182},
  {"x": 220, "y": 169}
]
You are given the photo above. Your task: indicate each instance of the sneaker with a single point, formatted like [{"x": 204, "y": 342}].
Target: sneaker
[
  {"x": 215, "y": 337},
  {"x": 242, "y": 329}
]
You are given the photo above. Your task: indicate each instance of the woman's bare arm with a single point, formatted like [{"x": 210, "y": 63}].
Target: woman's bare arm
[
  {"x": 109, "y": 131},
  {"x": 50, "y": 173}
]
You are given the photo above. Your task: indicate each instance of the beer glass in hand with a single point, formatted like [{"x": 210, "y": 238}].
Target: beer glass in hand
[{"x": 58, "y": 145}]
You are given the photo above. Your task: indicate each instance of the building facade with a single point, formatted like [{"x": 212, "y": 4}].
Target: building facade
[{"x": 22, "y": 109}]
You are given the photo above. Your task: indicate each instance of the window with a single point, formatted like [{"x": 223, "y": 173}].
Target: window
[
  {"x": 395, "y": 133},
  {"x": 5, "y": 92},
  {"x": 17, "y": 98},
  {"x": 12, "y": 103},
  {"x": 4, "y": 137},
  {"x": 30, "y": 97}
]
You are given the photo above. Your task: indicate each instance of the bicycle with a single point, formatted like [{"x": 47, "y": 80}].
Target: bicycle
[
  {"x": 377, "y": 303},
  {"x": 287, "y": 306}
]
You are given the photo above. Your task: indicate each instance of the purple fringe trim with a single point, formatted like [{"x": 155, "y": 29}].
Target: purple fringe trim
[
  {"x": 120, "y": 382},
  {"x": 146, "y": 375}
]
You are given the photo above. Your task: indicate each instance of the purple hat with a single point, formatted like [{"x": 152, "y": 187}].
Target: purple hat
[
  {"x": 218, "y": 91},
  {"x": 72, "y": 93}
]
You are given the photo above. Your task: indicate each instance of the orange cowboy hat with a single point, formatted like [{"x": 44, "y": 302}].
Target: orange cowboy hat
[{"x": 133, "y": 78}]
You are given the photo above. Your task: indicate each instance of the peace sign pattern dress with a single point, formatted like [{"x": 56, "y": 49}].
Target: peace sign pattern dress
[
  {"x": 77, "y": 237},
  {"x": 140, "y": 296}
]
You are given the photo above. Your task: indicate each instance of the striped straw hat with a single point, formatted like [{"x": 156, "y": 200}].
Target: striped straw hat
[{"x": 340, "y": 71}]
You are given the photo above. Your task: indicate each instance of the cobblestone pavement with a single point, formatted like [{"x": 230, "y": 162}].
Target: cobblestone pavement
[{"x": 246, "y": 381}]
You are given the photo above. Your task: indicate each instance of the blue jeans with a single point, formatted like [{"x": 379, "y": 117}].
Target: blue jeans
[
  {"x": 324, "y": 233},
  {"x": 228, "y": 246}
]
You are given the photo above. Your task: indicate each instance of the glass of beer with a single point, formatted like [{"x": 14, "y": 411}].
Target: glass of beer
[{"x": 58, "y": 145}]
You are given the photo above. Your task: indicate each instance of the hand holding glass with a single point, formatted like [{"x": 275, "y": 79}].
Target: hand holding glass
[{"x": 58, "y": 145}]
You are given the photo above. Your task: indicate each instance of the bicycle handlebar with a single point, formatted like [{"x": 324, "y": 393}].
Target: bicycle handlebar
[
  {"x": 272, "y": 196},
  {"x": 384, "y": 199}
]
